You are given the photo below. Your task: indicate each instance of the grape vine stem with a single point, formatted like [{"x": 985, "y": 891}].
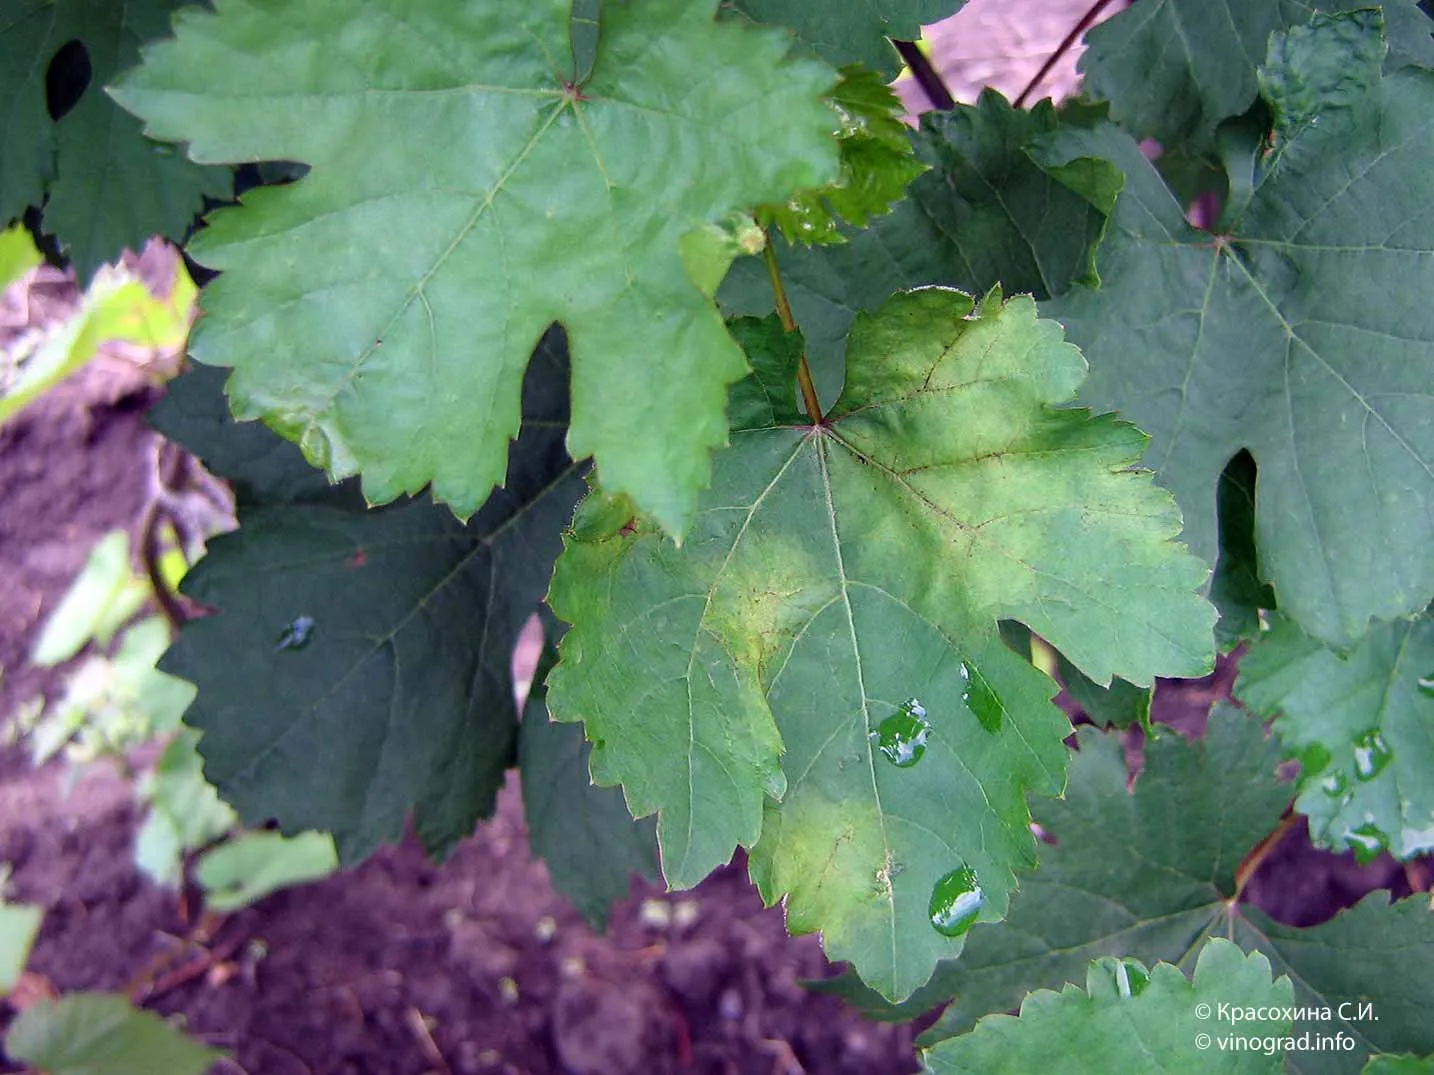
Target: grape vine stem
[
  {"x": 1092, "y": 13},
  {"x": 789, "y": 323}
]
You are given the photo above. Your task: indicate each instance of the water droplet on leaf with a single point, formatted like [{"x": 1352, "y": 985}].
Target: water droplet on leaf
[
  {"x": 901, "y": 737},
  {"x": 1367, "y": 842},
  {"x": 981, "y": 699},
  {"x": 1334, "y": 784},
  {"x": 297, "y": 634},
  {"x": 1426, "y": 685},
  {"x": 1371, "y": 755},
  {"x": 955, "y": 902}
]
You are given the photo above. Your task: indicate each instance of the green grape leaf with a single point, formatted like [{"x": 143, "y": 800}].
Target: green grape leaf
[
  {"x": 985, "y": 214},
  {"x": 359, "y": 665},
  {"x": 1301, "y": 334},
  {"x": 590, "y": 843},
  {"x": 1361, "y": 726},
  {"x": 18, "y": 253},
  {"x": 1130, "y": 1019},
  {"x": 860, "y": 31},
  {"x": 104, "y": 185},
  {"x": 1399, "y": 1065},
  {"x": 244, "y": 870},
  {"x": 1235, "y": 587},
  {"x": 19, "y": 925},
  {"x": 101, "y": 1034},
  {"x": 462, "y": 199},
  {"x": 1150, "y": 873},
  {"x": 827, "y": 635},
  {"x": 1119, "y": 705},
  {"x": 1173, "y": 70},
  {"x": 878, "y": 162},
  {"x": 185, "y": 812}
]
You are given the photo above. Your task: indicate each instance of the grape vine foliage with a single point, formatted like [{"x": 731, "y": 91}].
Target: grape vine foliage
[{"x": 823, "y": 446}]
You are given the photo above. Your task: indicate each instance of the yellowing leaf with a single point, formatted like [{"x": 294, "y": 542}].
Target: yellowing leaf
[{"x": 817, "y": 673}]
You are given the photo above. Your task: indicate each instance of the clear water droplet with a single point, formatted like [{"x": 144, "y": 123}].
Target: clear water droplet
[
  {"x": 1137, "y": 977},
  {"x": 1334, "y": 784},
  {"x": 1426, "y": 685},
  {"x": 1371, "y": 755},
  {"x": 296, "y": 635},
  {"x": 956, "y": 901},
  {"x": 901, "y": 737},
  {"x": 1367, "y": 842},
  {"x": 980, "y": 699}
]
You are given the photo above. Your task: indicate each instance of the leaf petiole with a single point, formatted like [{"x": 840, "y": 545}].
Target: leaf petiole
[{"x": 810, "y": 401}]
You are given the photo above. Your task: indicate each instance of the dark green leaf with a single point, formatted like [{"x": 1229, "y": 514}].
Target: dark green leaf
[
  {"x": 262, "y": 467},
  {"x": 1362, "y": 726},
  {"x": 584, "y": 833},
  {"x": 1235, "y": 588},
  {"x": 359, "y": 665},
  {"x": 1304, "y": 336},
  {"x": 827, "y": 635},
  {"x": 461, "y": 198},
  {"x": 1173, "y": 70},
  {"x": 104, "y": 185},
  {"x": 860, "y": 30}
]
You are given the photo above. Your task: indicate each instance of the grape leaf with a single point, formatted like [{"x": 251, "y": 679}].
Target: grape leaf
[
  {"x": 242, "y": 871},
  {"x": 101, "y": 1034},
  {"x": 104, "y": 185},
  {"x": 1235, "y": 587},
  {"x": 463, "y": 196},
  {"x": 590, "y": 843},
  {"x": 985, "y": 214},
  {"x": 1128, "y": 1019},
  {"x": 360, "y": 661},
  {"x": 878, "y": 161},
  {"x": 1172, "y": 70},
  {"x": 844, "y": 581},
  {"x": 1302, "y": 334},
  {"x": 1361, "y": 725},
  {"x": 1399, "y": 1065},
  {"x": 856, "y": 31},
  {"x": 1151, "y": 874}
]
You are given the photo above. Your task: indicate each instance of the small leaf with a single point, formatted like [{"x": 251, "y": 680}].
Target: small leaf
[
  {"x": 103, "y": 185},
  {"x": 185, "y": 812},
  {"x": 100, "y": 1034},
  {"x": 253, "y": 865},
  {"x": 18, "y": 254},
  {"x": 380, "y": 311},
  {"x": 985, "y": 214},
  {"x": 1360, "y": 723},
  {"x": 1127, "y": 1020},
  {"x": 19, "y": 925},
  {"x": 584, "y": 834},
  {"x": 103, "y": 597},
  {"x": 844, "y": 574},
  {"x": 878, "y": 162}
]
